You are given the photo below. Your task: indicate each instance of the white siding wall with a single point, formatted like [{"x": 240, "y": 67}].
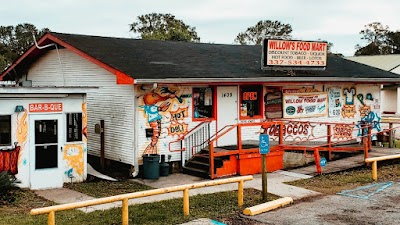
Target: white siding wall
[
  {"x": 389, "y": 100},
  {"x": 112, "y": 103}
]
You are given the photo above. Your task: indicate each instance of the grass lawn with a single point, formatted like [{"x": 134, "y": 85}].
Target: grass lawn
[
  {"x": 100, "y": 188},
  {"x": 219, "y": 206},
  {"x": 336, "y": 182}
]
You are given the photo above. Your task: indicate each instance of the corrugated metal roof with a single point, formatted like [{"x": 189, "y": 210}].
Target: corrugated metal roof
[{"x": 383, "y": 62}]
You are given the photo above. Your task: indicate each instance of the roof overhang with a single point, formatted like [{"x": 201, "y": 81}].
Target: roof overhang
[
  {"x": 268, "y": 80},
  {"x": 4, "y": 91}
]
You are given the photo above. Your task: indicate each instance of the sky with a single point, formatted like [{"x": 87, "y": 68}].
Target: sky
[{"x": 216, "y": 21}]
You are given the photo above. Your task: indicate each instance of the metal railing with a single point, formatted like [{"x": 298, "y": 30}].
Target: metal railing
[
  {"x": 193, "y": 141},
  {"x": 375, "y": 160},
  {"x": 51, "y": 210}
]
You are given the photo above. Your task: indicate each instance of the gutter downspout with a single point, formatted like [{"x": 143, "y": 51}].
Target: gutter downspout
[{"x": 135, "y": 142}]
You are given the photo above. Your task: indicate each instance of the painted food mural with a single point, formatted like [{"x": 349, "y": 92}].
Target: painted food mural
[{"x": 165, "y": 111}]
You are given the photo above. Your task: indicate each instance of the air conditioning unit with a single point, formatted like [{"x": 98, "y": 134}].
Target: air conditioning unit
[{"x": 26, "y": 83}]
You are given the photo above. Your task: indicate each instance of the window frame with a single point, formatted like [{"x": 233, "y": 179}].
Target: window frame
[
  {"x": 80, "y": 125},
  {"x": 10, "y": 133},
  {"x": 214, "y": 105},
  {"x": 260, "y": 91}
]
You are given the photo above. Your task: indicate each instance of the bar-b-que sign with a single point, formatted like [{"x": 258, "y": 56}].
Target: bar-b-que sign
[
  {"x": 298, "y": 105},
  {"x": 46, "y": 107}
]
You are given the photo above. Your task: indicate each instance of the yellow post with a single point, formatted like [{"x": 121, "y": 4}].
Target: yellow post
[
  {"x": 240, "y": 193},
  {"x": 51, "y": 219},
  {"x": 375, "y": 170},
  {"x": 125, "y": 213},
  {"x": 186, "y": 202}
]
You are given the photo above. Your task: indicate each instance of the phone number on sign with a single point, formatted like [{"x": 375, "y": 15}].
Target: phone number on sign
[{"x": 296, "y": 62}]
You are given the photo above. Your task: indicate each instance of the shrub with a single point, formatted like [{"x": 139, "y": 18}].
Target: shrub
[{"x": 7, "y": 184}]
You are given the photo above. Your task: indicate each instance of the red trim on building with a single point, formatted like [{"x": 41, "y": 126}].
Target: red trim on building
[
  {"x": 122, "y": 78},
  {"x": 260, "y": 100},
  {"x": 214, "y": 105}
]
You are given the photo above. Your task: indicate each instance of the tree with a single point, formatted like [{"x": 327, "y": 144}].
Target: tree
[
  {"x": 378, "y": 40},
  {"x": 14, "y": 41},
  {"x": 264, "y": 29},
  {"x": 394, "y": 42},
  {"x": 157, "y": 26}
]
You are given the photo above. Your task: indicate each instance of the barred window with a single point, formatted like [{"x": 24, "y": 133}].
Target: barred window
[{"x": 74, "y": 127}]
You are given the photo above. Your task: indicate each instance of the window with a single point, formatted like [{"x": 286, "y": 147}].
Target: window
[
  {"x": 251, "y": 102},
  {"x": 273, "y": 103},
  {"x": 5, "y": 130},
  {"x": 203, "y": 103},
  {"x": 74, "y": 127}
]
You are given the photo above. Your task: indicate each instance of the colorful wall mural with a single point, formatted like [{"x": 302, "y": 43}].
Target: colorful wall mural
[
  {"x": 343, "y": 131},
  {"x": 165, "y": 110},
  {"x": 22, "y": 134},
  {"x": 84, "y": 123},
  {"x": 74, "y": 158},
  {"x": 297, "y": 131},
  {"x": 349, "y": 109}
]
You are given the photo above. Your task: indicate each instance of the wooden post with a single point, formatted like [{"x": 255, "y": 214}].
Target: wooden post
[
  {"x": 365, "y": 143},
  {"x": 102, "y": 145},
  {"x": 51, "y": 219},
  {"x": 375, "y": 170},
  {"x": 264, "y": 177},
  {"x": 240, "y": 193},
  {"x": 125, "y": 213},
  {"x": 186, "y": 202},
  {"x": 281, "y": 133},
  {"x": 391, "y": 135},
  {"x": 329, "y": 133},
  {"x": 369, "y": 138}
]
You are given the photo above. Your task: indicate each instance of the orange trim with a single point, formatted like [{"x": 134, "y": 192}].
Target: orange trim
[{"x": 121, "y": 77}]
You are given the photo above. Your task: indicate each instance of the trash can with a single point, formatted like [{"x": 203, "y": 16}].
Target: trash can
[
  {"x": 164, "y": 167},
  {"x": 151, "y": 166}
]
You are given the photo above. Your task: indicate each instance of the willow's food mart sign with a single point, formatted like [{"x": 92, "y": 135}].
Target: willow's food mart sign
[
  {"x": 299, "y": 105},
  {"x": 294, "y": 54}
]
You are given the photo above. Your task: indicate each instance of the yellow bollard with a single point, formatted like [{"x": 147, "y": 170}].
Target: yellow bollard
[
  {"x": 51, "y": 219},
  {"x": 240, "y": 193},
  {"x": 375, "y": 170},
  {"x": 186, "y": 202},
  {"x": 125, "y": 212}
]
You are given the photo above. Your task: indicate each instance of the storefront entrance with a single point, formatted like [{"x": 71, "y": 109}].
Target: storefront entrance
[
  {"x": 227, "y": 99},
  {"x": 46, "y": 151}
]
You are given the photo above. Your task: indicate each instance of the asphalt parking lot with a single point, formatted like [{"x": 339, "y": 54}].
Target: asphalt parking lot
[{"x": 373, "y": 204}]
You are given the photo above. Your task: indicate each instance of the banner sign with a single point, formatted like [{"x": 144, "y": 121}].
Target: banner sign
[
  {"x": 298, "y": 105},
  {"x": 297, "y": 54},
  {"x": 335, "y": 102}
]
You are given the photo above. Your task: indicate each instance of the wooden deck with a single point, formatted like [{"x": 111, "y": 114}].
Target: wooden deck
[{"x": 347, "y": 163}]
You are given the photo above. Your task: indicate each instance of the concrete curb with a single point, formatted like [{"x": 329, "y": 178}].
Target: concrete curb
[{"x": 265, "y": 207}]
